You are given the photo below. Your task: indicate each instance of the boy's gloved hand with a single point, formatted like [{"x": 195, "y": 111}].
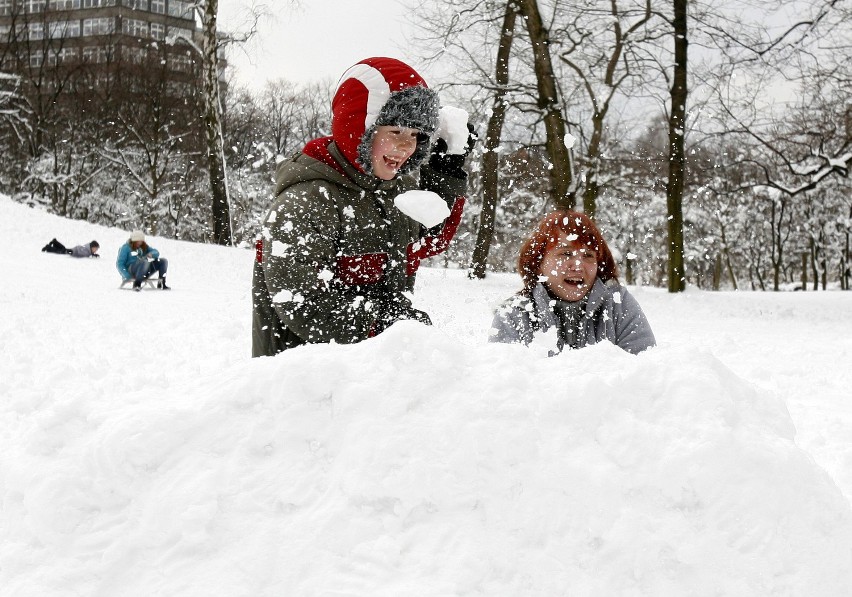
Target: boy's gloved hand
[{"x": 450, "y": 163}]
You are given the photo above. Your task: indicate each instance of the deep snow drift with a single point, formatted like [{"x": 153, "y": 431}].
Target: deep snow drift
[{"x": 144, "y": 453}]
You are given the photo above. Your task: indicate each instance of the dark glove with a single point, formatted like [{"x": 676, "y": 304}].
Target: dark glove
[
  {"x": 96, "y": 255},
  {"x": 393, "y": 308},
  {"x": 449, "y": 163}
]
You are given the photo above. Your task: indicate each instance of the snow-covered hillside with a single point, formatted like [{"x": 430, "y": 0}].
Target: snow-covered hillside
[{"x": 142, "y": 452}]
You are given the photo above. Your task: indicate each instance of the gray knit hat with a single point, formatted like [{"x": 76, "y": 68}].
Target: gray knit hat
[{"x": 414, "y": 108}]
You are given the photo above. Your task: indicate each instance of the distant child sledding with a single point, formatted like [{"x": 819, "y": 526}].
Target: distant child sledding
[
  {"x": 89, "y": 250},
  {"x": 571, "y": 296},
  {"x": 137, "y": 261}
]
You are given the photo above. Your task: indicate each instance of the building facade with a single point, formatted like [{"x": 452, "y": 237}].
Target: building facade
[{"x": 102, "y": 36}]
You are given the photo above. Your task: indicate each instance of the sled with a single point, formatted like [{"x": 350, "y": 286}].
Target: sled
[{"x": 146, "y": 283}]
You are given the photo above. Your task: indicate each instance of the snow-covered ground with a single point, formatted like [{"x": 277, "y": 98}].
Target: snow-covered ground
[{"x": 143, "y": 453}]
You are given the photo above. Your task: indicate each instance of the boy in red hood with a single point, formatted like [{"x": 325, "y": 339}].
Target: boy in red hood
[{"x": 335, "y": 253}]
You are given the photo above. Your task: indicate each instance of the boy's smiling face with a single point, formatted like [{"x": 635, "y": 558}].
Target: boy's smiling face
[{"x": 392, "y": 146}]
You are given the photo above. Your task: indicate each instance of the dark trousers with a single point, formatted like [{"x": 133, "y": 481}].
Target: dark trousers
[
  {"x": 55, "y": 246},
  {"x": 144, "y": 268}
]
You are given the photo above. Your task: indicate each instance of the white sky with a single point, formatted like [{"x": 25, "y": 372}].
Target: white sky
[{"x": 315, "y": 40}]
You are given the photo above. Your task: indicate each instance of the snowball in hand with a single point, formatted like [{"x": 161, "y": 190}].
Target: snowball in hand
[
  {"x": 452, "y": 128},
  {"x": 425, "y": 207}
]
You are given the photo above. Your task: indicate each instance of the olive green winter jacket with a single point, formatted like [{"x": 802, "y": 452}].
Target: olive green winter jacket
[{"x": 333, "y": 245}]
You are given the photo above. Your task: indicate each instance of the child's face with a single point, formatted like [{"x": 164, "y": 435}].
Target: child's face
[
  {"x": 569, "y": 269},
  {"x": 392, "y": 146}
]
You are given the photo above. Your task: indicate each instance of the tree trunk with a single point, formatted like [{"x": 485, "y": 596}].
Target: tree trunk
[
  {"x": 717, "y": 272},
  {"x": 590, "y": 193},
  {"x": 213, "y": 126},
  {"x": 813, "y": 250},
  {"x": 628, "y": 269},
  {"x": 490, "y": 156},
  {"x": 847, "y": 262},
  {"x": 804, "y": 270},
  {"x": 548, "y": 102},
  {"x": 677, "y": 160},
  {"x": 727, "y": 255}
]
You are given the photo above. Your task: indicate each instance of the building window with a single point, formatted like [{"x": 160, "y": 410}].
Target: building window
[
  {"x": 35, "y": 31},
  {"x": 180, "y": 9},
  {"x": 64, "y": 29},
  {"x": 33, "y": 6},
  {"x": 134, "y": 55},
  {"x": 135, "y": 27},
  {"x": 97, "y": 3},
  {"x": 36, "y": 60},
  {"x": 158, "y": 6},
  {"x": 5, "y": 7},
  {"x": 99, "y": 26},
  {"x": 63, "y": 56},
  {"x": 63, "y": 4},
  {"x": 180, "y": 63},
  {"x": 158, "y": 31},
  {"x": 136, "y": 4},
  {"x": 95, "y": 55}
]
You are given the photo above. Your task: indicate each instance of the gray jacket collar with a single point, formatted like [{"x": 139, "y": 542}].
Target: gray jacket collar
[{"x": 542, "y": 300}]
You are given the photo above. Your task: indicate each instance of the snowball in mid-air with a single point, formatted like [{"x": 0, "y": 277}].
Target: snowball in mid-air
[{"x": 425, "y": 207}]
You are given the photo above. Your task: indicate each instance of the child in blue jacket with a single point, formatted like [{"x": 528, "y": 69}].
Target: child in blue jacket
[{"x": 137, "y": 261}]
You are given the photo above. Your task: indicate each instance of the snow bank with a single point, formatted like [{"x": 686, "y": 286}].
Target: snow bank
[
  {"x": 414, "y": 465},
  {"x": 142, "y": 452}
]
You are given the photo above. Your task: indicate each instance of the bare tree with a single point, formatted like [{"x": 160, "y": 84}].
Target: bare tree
[
  {"x": 491, "y": 157},
  {"x": 550, "y": 106},
  {"x": 602, "y": 49},
  {"x": 677, "y": 158},
  {"x": 212, "y": 118},
  {"x": 155, "y": 140}
]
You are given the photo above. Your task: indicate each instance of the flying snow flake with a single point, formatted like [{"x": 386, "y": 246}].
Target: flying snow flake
[
  {"x": 283, "y": 296},
  {"x": 325, "y": 275},
  {"x": 569, "y": 140},
  {"x": 546, "y": 341},
  {"x": 272, "y": 217},
  {"x": 279, "y": 249},
  {"x": 616, "y": 298},
  {"x": 348, "y": 211}
]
